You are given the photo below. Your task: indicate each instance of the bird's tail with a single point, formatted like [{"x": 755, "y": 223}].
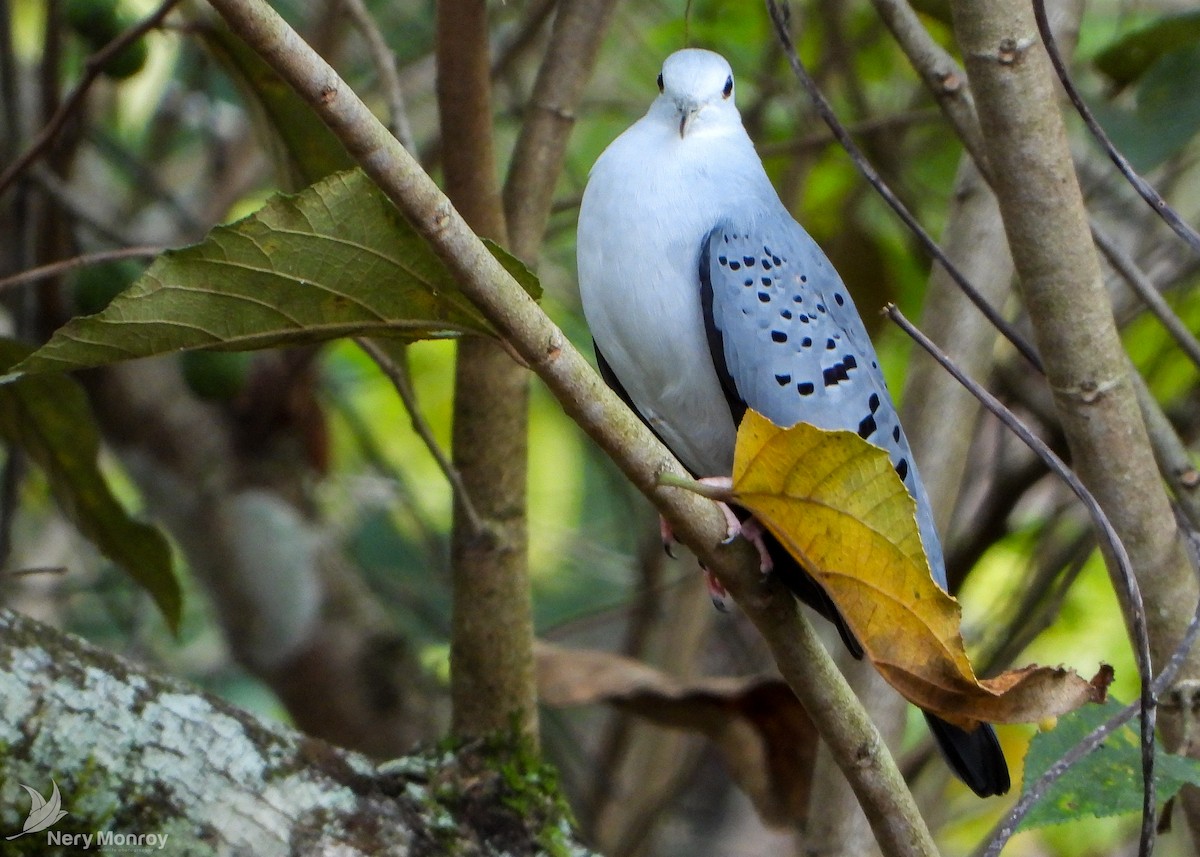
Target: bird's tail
[{"x": 975, "y": 757}]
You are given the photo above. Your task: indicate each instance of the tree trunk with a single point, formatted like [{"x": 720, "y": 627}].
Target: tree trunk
[{"x": 491, "y": 656}]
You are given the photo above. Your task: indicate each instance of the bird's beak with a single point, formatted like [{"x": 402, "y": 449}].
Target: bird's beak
[{"x": 687, "y": 114}]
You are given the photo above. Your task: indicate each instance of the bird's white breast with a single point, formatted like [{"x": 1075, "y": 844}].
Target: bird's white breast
[{"x": 650, "y": 201}]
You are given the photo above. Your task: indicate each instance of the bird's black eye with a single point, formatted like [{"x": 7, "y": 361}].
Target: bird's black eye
[
  {"x": 727, "y": 91},
  {"x": 660, "y": 83}
]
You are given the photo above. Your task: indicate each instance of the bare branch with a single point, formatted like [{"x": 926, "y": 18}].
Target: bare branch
[
  {"x": 384, "y": 61},
  {"x": 1004, "y": 830},
  {"x": 1144, "y": 289},
  {"x": 943, "y": 76},
  {"x": 1127, "y": 579},
  {"x": 54, "y": 269},
  {"x": 537, "y": 159},
  {"x": 934, "y": 65}
]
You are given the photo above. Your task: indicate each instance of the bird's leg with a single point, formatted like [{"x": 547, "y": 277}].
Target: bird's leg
[
  {"x": 750, "y": 529},
  {"x": 716, "y": 592}
]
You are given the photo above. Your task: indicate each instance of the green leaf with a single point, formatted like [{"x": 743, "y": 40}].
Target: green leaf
[
  {"x": 335, "y": 260},
  {"x": 50, "y": 419},
  {"x": 1128, "y": 58},
  {"x": 1104, "y": 783},
  {"x": 303, "y": 148},
  {"x": 1167, "y": 113}
]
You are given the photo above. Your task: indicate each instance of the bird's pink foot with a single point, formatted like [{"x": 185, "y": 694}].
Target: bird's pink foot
[{"x": 750, "y": 529}]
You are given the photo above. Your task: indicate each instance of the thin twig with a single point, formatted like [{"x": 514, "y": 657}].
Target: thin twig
[
  {"x": 1108, "y": 534},
  {"x": 1171, "y": 454},
  {"x": 35, "y": 570},
  {"x": 43, "y": 272},
  {"x": 872, "y": 125},
  {"x": 398, "y": 375},
  {"x": 1144, "y": 289},
  {"x": 946, "y": 81},
  {"x": 384, "y": 60},
  {"x": 92, "y": 68},
  {"x": 1143, "y": 187},
  {"x": 872, "y": 176}
]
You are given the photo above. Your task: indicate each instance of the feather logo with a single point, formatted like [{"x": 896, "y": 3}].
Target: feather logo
[{"x": 42, "y": 812}]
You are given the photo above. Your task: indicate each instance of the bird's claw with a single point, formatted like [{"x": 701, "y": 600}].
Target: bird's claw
[
  {"x": 718, "y": 593},
  {"x": 668, "y": 537}
]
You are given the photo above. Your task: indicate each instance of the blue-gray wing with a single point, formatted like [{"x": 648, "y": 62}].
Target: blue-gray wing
[{"x": 788, "y": 342}]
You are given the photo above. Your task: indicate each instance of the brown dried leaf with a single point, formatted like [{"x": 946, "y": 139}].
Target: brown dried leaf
[{"x": 761, "y": 730}]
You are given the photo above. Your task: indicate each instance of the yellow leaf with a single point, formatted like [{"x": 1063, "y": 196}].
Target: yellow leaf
[{"x": 836, "y": 504}]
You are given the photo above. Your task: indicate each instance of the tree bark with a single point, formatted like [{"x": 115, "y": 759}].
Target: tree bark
[
  {"x": 491, "y": 652},
  {"x": 137, "y": 754},
  {"x": 1074, "y": 328}
]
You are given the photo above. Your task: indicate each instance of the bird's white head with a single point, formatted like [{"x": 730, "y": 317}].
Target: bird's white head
[{"x": 697, "y": 92}]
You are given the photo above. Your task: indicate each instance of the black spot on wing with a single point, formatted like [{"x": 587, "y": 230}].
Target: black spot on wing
[
  {"x": 716, "y": 341},
  {"x": 867, "y": 427},
  {"x": 902, "y": 469},
  {"x": 834, "y": 375},
  {"x": 840, "y": 371}
]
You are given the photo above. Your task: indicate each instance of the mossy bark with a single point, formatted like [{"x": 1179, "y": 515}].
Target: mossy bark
[{"x": 136, "y": 754}]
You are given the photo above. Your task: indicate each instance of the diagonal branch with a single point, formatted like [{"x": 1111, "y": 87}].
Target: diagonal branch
[
  {"x": 1069, "y": 308},
  {"x": 397, "y": 373}
]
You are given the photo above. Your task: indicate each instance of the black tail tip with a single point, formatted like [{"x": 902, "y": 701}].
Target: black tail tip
[{"x": 975, "y": 757}]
